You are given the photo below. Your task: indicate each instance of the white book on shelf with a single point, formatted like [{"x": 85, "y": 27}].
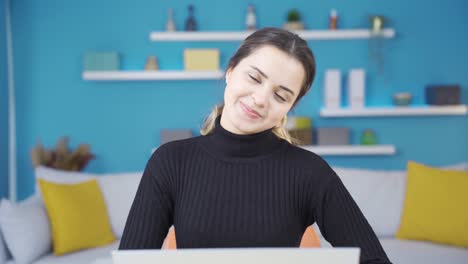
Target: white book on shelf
[
  {"x": 356, "y": 88},
  {"x": 332, "y": 88}
]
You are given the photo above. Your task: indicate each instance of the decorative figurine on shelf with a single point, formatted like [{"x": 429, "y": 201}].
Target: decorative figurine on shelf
[
  {"x": 170, "y": 24},
  {"x": 333, "y": 19},
  {"x": 294, "y": 21},
  {"x": 368, "y": 137},
  {"x": 377, "y": 23},
  {"x": 151, "y": 64},
  {"x": 251, "y": 19},
  {"x": 190, "y": 23}
]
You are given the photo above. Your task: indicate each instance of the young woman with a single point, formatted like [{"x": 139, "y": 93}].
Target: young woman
[{"x": 242, "y": 183}]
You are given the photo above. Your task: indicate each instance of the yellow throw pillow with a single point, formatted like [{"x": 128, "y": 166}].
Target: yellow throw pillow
[
  {"x": 435, "y": 206},
  {"x": 77, "y": 214}
]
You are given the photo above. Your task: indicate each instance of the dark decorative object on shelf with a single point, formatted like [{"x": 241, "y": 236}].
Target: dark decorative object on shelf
[
  {"x": 443, "y": 95},
  {"x": 190, "y": 23}
]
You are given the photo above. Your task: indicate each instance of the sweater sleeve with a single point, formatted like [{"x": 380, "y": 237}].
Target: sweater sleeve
[
  {"x": 342, "y": 223},
  {"x": 151, "y": 213}
]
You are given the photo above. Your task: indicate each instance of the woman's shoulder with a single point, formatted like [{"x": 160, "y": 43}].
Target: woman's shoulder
[
  {"x": 169, "y": 155},
  {"x": 178, "y": 145},
  {"x": 175, "y": 148},
  {"x": 312, "y": 164},
  {"x": 300, "y": 154}
]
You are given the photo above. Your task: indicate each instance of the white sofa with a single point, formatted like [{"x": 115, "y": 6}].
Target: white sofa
[{"x": 379, "y": 194}]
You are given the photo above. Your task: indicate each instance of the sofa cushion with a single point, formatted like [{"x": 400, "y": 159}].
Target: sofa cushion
[
  {"x": 462, "y": 166},
  {"x": 415, "y": 252},
  {"x": 119, "y": 191},
  {"x": 26, "y": 229},
  {"x": 60, "y": 176},
  {"x": 379, "y": 194},
  {"x": 434, "y": 208},
  {"x": 77, "y": 214},
  {"x": 374, "y": 190}
]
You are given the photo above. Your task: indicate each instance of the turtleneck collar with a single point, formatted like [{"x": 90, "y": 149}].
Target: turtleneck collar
[{"x": 228, "y": 145}]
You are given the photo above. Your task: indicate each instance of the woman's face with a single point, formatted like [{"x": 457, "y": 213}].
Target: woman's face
[{"x": 260, "y": 91}]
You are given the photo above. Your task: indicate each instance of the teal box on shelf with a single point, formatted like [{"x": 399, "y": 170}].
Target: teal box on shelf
[{"x": 101, "y": 61}]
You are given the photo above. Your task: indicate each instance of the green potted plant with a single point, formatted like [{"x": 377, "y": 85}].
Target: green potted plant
[{"x": 293, "y": 21}]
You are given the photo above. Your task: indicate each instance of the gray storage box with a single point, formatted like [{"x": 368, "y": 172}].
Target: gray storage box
[
  {"x": 168, "y": 135},
  {"x": 333, "y": 136}
]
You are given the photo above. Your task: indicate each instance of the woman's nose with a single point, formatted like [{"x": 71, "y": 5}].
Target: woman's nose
[{"x": 260, "y": 96}]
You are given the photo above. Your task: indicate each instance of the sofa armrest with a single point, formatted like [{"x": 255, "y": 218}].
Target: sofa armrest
[{"x": 4, "y": 253}]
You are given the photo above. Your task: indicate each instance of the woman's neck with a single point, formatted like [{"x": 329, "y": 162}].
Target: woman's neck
[{"x": 226, "y": 144}]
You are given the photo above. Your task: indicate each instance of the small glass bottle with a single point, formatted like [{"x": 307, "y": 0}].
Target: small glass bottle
[
  {"x": 170, "y": 24},
  {"x": 333, "y": 20},
  {"x": 251, "y": 20}
]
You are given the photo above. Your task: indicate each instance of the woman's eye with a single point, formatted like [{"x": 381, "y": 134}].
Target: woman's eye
[
  {"x": 280, "y": 97},
  {"x": 254, "y": 79}
]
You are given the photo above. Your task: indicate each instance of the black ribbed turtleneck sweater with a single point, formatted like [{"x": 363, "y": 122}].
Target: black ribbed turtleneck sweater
[{"x": 229, "y": 190}]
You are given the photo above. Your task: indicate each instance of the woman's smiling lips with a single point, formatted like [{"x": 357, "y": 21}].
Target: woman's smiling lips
[{"x": 249, "y": 111}]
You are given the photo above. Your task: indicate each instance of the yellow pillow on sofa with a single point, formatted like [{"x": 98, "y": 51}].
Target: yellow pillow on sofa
[
  {"x": 435, "y": 206},
  {"x": 77, "y": 214}
]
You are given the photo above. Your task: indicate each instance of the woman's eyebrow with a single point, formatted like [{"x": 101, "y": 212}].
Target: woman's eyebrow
[{"x": 266, "y": 76}]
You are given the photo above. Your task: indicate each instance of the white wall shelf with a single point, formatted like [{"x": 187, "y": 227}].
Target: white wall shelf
[
  {"x": 151, "y": 75},
  {"x": 396, "y": 111},
  {"x": 352, "y": 150},
  {"x": 241, "y": 35}
]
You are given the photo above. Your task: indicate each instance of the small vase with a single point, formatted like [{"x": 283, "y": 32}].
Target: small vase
[
  {"x": 151, "y": 64},
  {"x": 294, "y": 25}
]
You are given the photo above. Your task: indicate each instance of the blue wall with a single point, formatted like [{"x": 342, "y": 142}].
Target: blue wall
[
  {"x": 122, "y": 120},
  {"x": 3, "y": 106}
]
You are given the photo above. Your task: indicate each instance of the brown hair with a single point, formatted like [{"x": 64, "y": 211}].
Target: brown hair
[{"x": 285, "y": 41}]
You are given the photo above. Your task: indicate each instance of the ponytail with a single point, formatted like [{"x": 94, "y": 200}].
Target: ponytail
[
  {"x": 210, "y": 121},
  {"x": 283, "y": 133}
]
